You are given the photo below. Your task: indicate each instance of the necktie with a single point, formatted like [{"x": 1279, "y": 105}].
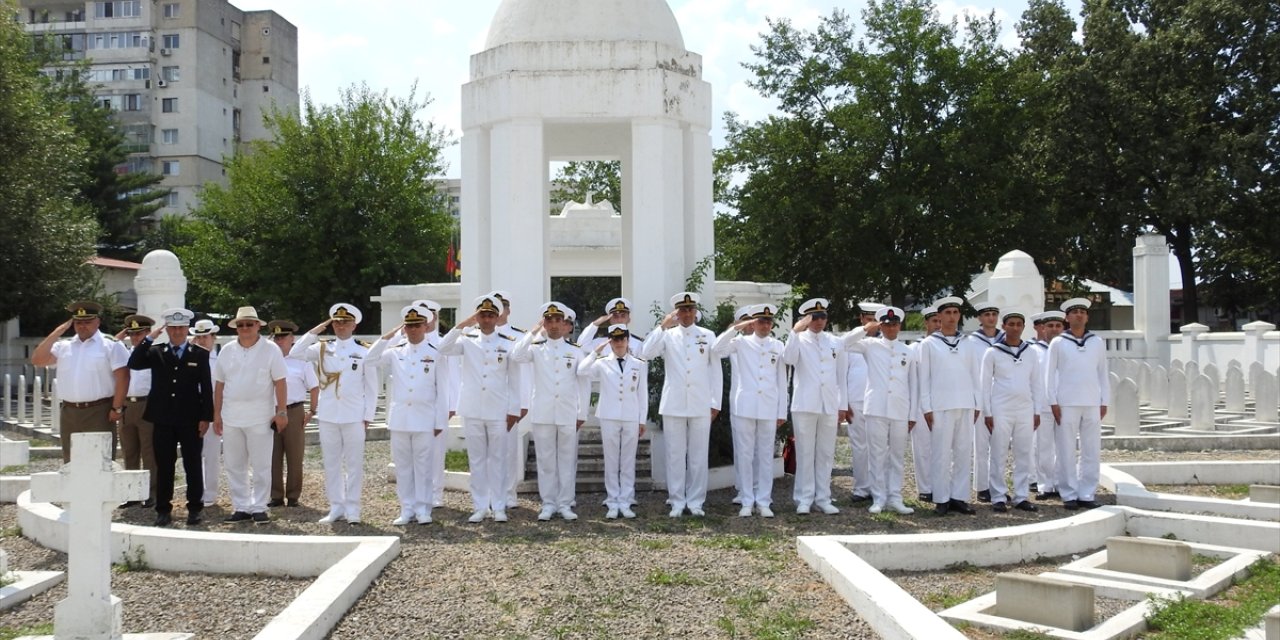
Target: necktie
[{"x": 622, "y": 362}]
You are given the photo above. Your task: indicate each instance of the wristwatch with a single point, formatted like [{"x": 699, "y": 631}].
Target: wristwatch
[{"x": 282, "y": 414}]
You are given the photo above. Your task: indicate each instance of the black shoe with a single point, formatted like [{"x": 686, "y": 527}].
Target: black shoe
[
  {"x": 962, "y": 507},
  {"x": 293, "y": 502},
  {"x": 925, "y": 497},
  {"x": 261, "y": 517},
  {"x": 193, "y": 518},
  {"x": 238, "y": 516},
  {"x": 1049, "y": 495},
  {"x": 276, "y": 502},
  {"x": 984, "y": 496},
  {"x": 858, "y": 497},
  {"x": 1089, "y": 504},
  {"x": 163, "y": 520},
  {"x": 942, "y": 508},
  {"x": 1070, "y": 505},
  {"x": 131, "y": 503},
  {"x": 1000, "y": 507},
  {"x": 1025, "y": 506},
  {"x": 148, "y": 504},
  {"x": 1035, "y": 487}
]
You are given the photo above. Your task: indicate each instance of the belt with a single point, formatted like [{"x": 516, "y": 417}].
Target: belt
[
  {"x": 86, "y": 405},
  {"x": 293, "y": 405},
  {"x": 137, "y": 398}
]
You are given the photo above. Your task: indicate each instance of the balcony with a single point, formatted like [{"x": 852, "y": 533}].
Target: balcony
[{"x": 55, "y": 26}]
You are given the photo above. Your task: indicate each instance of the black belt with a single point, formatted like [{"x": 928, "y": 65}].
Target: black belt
[
  {"x": 293, "y": 405},
  {"x": 137, "y": 398},
  {"x": 86, "y": 405}
]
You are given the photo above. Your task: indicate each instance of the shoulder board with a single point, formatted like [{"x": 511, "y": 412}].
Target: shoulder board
[
  {"x": 542, "y": 341},
  {"x": 572, "y": 344},
  {"x": 506, "y": 337},
  {"x": 516, "y": 329},
  {"x": 638, "y": 337},
  {"x": 641, "y": 359},
  {"x": 403, "y": 345},
  {"x": 326, "y": 340},
  {"x": 471, "y": 335},
  {"x": 364, "y": 343},
  {"x": 111, "y": 338}
]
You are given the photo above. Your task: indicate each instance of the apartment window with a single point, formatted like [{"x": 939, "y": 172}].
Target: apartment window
[
  {"x": 170, "y": 74},
  {"x": 170, "y": 168},
  {"x": 265, "y": 88},
  {"x": 141, "y": 73},
  {"x": 117, "y": 9},
  {"x": 169, "y": 136},
  {"x": 266, "y": 59},
  {"x": 172, "y": 10},
  {"x": 170, "y": 41},
  {"x": 169, "y": 105},
  {"x": 171, "y": 199},
  {"x": 132, "y": 102}
]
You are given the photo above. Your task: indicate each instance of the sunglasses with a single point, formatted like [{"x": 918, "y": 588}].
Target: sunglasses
[{"x": 246, "y": 325}]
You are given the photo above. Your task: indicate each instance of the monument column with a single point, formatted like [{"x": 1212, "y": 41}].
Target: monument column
[
  {"x": 699, "y": 224},
  {"x": 477, "y": 228},
  {"x": 654, "y": 225},
  {"x": 1151, "y": 313},
  {"x": 518, "y": 202}
]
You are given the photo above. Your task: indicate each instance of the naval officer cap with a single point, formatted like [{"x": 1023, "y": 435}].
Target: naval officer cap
[
  {"x": 889, "y": 315},
  {"x": 816, "y": 307},
  {"x": 685, "y": 299},
  {"x": 488, "y": 304},
  {"x": 868, "y": 307},
  {"x": 1076, "y": 303},
  {"x": 281, "y": 328},
  {"x": 618, "y": 305},
  {"x": 949, "y": 302},
  {"x": 553, "y": 309},
  {"x": 427, "y": 304},
  {"x": 413, "y": 314},
  {"x": 502, "y": 296},
  {"x": 743, "y": 313},
  {"x": 84, "y": 310},
  {"x": 178, "y": 318},
  {"x": 618, "y": 331},
  {"x": 764, "y": 311},
  {"x": 1004, "y": 317},
  {"x": 929, "y": 312},
  {"x": 137, "y": 323},
  {"x": 345, "y": 312}
]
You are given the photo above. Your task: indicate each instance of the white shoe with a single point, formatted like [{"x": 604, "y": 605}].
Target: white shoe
[
  {"x": 766, "y": 512},
  {"x": 499, "y": 516},
  {"x": 611, "y": 515},
  {"x": 627, "y": 513},
  {"x": 802, "y": 509},
  {"x": 737, "y": 499},
  {"x": 697, "y": 511},
  {"x": 477, "y": 517},
  {"x": 900, "y": 508},
  {"x": 333, "y": 517},
  {"x": 876, "y": 508},
  {"x": 676, "y": 512},
  {"x": 208, "y": 504},
  {"x": 828, "y": 508},
  {"x": 745, "y": 512},
  {"x": 405, "y": 518},
  {"x": 438, "y": 503},
  {"x": 546, "y": 513},
  {"x": 568, "y": 514},
  {"x": 424, "y": 517}
]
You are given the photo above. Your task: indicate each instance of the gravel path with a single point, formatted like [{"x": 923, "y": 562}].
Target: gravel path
[{"x": 713, "y": 577}]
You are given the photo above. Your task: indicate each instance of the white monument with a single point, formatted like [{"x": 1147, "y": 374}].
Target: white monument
[
  {"x": 566, "y": 80},
  {"x": 1016, "y": 285},
  {"x": 160, "y": 284}
]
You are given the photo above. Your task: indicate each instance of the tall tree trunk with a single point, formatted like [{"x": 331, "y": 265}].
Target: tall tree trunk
[{"x": 1180, "y": 242}]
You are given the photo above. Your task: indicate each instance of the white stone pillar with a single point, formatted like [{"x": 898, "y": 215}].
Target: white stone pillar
[
  {"x": 160, "y": 284},
  {"x": 1151, "y": 313},
  {"x": 1255, "y": 348},
  {"x": 8, "y": 386},
  {"x": 699, "y": 222},
  {"x": 1190, "y": 336},
  {"x": 653, "y": 253},
  {"x": 476, "y": 224},
  {"x": 37, "y": 403},
  {"x": 518, "y": 249},
  {"x": 22, "y": 399}
]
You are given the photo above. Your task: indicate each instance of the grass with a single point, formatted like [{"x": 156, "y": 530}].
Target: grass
[
  {"x": 663, "y": 578},
  {"x": 132, "y": 562},
  {"x": 735, "y": 542},
  {"x": 456, "y": 461},
  {"x": 1023, "y": 634},
  {"x": 948, "y": 597},
  {"x": 11, "y": 532},
  {"x": 9, "y": 633},
  {"x": 748, "y": 603},
  {"x": 13, "y": 469},
  {"x": 654, "y": 545},
  {"x": 782, "y": 625},
  {"x": 1222, "y": 618}
]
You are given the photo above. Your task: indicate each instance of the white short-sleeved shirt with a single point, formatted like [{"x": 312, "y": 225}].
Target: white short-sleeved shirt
[
  {"x": 85, "y": 368},
  {"x": 248, "y": 377}
]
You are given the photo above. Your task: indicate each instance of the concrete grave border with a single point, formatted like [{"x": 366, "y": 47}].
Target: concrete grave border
[
  {"x": 27, "y": 585},
  {"x": 343, "y": 566},
  {"x": 1235, "y": 564},
  {"x": 1126, "y": 480}
]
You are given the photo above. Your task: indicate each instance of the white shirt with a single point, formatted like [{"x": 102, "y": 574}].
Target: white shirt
[
  {"x": 758, "y": 386},
  {"x": 694, "y": 382},
  {"x": 949, "y": 370},
  {"x": 490, "y": 383},
  {"x": 624, "y": 389},
  {"x": 248, "y": 378},
  {"x": 557, "y": 389},
  {"x": 85, "y": 368},
  {"x": 1012, "y": 380},
  {"x": 348, "y": 384},
  {"x": 300, "y": 381},
  {"x": 891, "y": 371},
  {"x": 1042, "y": 348},
  {"x": 1077, "y": 374},
  {"x": 821, "y": 364},
  {"x": 139, "y": 379},
  {"x": 417, "y": 384}
]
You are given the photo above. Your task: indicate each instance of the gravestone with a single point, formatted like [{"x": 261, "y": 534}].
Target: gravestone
[
  {"x": 1114, "y": 380},
  {"x": 1192, "y": 370},
  {"x": 1055, "y": 603},
  {"x": 1177, "y": 364},
  {"x": 1124, "y": 411},
  {"x": 1203, "y": 398},
  {"x": 1177, "y": 394},
  {"x": 1266, "y": 399},
  {"x": 1255, "y": 371},
  {"x": 1167, "y": 559},
  {"x": 1215, "y": 375},
  {"x": 1144, "y": 383},
  {"x": 1235, "y": 389},
  {"x": 1159, "y": 388},
  {"x": 90, "y": 486}
]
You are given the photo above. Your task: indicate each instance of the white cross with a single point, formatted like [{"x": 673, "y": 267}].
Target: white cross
[{"x": 90, "y": 486}]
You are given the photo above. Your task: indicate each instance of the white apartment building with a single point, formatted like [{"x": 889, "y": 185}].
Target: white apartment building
[{"x": 188, "y": 79}]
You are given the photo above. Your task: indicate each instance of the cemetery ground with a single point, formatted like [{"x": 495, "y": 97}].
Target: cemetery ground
[{"x": 720, "y": 576}]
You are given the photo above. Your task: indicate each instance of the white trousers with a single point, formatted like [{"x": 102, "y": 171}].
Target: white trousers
[
  {"x": 858, "y": 441},
  {"x": 815, "y": 455},
  {"x": 887, "y": 441},
  {"x": 753, "y": 459},
  {"x": 1078, "y": 479},
  {"x": 1045, "y": 473},
  {"x": 211, "y": 463},
  {"x": 922, "y": 456},
  {"x": 557, "y": 471},
  {"x": 411, "y": 452},
  {"x": 620, "y": 440},
  {"x": 439, "y": 446},
  {"x": 1016, "y": 431},
  {"x": 515, "y": 462},
  {"x": 488, "y": 445},
  {"x": 687, "y": 441},
  {"x": 248, "y": 459},
  {"x": 981, "y": 453},
  {"x": 342, "y": 452},
  {"x": 951, "y": 444}
]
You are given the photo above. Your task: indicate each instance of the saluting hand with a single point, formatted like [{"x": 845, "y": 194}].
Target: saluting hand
[
  {"x": 390, "y": 334},
  {"x": 669, "y": 320},
  {"x": 120, "y": 336},
  {"x": 319, "y": 329},
  {"x": 155, "y": 333},
  {"x": 744, "y": 326},
  {"x": 601, "y": 321},
  {"x": 802, "y": 324}
]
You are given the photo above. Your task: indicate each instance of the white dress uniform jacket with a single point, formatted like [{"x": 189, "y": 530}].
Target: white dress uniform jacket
[
  {"x": 694, "y": 382},
  {"x": 348, "y": 382},
  {"x": 758, "y": 387},
  {"x": 490, "y": 380},
  {"x": 624, "y": 392},
  {"x": 557, "y": 389},
  {"x": 891, "y": 374},
  {"x": 417, "y": 385},
  {"x": 821, "y": 366}
]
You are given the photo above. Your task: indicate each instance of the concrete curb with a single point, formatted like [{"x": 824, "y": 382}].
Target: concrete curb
[{"x": 27, "y": 585}]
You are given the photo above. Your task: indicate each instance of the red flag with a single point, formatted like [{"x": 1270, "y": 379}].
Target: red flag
[{"x": 451, "y": 261}]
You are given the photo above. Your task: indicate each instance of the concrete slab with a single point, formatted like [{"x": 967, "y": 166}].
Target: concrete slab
[
  {"x": 1269, "y": 494},
  {"x": 1235, "y": 565},
  {"x": 27, "y": 585},
  {"x": 1154, "y": 557},
  {"x": 1023, "y": 597},
  {"x": 1272, "y": 623}
]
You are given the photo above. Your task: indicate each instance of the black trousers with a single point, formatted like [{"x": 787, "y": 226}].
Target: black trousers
[{"x": 168, "y": 439}]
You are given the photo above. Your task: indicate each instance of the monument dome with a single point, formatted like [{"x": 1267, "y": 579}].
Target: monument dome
[{"x": 533, "y": 21}]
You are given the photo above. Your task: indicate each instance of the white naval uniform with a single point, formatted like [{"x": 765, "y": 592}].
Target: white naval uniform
[
  {"x": 622, "y": 408},
  {"x": 516, "y": 463},
  {"x": 248, "y": 377},
  {"x": 856, "y": 428},
  {"x": 489, "y": 391},
  {"x": 981, "y": 438},
  {"x": 949, "y": 367},
  {"x": 417, "y": 415},
  {"x": 347, "y": 402},
  {"x": 921, "y": 436},
  {"x": 555, "y": 407},
  {"x": 211, "y": 449},
  {"x": 890, "y": 406},
  {"x": 757, "y": 401},
  {"x": 820, "y": 363},
  {"x": 1078, "y": 384},
  {"x": 1045, "y": 451},
  {"x": 1012, "y": 381},
  {"x": 691, "y": 389}
]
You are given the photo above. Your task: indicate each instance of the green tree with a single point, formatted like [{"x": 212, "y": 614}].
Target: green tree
[
  {"x": 339, "y": 204},
  {"x": 49, "y": 233}
]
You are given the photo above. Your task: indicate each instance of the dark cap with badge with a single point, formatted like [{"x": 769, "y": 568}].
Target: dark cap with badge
[
  {"x": 137, "y": 323},
  {"x": 816, "y": 307},
  {"x": 281, "y": 328},
  {"x": 84, "y": 310},
  {"x": 617, "y": 331}
]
